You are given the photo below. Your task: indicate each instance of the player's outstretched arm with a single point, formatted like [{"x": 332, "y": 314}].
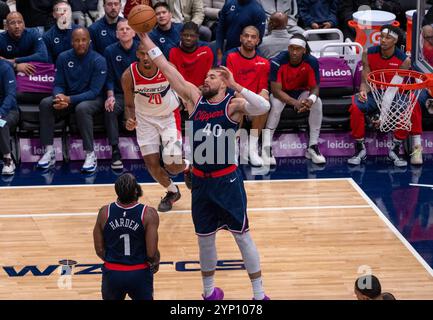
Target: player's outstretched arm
[
  {"x": 128, "y": 94},
  {"x": 255, "y": 105},
  {"x": 188, "y": 92}
]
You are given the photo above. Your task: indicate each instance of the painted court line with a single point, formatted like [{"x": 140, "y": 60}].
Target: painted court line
[
  {"x": 392, "y": 227},
  {"x": 157, "y": 184},
  {"x": 421, "y": 185},
  {"x": 86, "y": 214}
]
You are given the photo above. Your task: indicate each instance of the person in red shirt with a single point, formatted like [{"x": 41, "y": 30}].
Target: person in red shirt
[
  {"x": 295, "y": 82},
  {"x": 192, "y": 58},
  {"x": 386, "y": 55},
  {"x": 252, "y": 72}
]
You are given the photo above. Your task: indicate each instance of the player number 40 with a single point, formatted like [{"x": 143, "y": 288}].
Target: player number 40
[{"x": 216, "y": 131}]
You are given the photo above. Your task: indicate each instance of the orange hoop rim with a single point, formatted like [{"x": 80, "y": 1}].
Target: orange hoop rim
[{"x": 426, "y": 79}]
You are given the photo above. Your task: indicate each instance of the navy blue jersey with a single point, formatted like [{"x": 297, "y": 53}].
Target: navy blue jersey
[
  {"x": 124, "y": 235},
  {"x": 214, "y": 135}
]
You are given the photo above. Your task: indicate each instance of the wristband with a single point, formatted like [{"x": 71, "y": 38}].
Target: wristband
[
  {"x": 154, "y": 53},
  {"x": 313, "y": 98}
]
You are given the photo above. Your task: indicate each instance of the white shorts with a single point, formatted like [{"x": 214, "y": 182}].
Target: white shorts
[{"x": 152, "y": 131}]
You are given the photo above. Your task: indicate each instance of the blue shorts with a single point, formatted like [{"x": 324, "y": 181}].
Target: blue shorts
[
  {"x": 219, "y": 203},
  {"x": 137, "y": 284}
]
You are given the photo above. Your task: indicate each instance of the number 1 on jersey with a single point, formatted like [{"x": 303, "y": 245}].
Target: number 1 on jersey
[{"x": 127, "y": 244}]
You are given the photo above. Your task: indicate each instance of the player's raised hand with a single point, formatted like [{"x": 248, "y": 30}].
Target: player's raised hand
[
  {"x": 227, "y": 76},
  {"x": 131, "y": 124}
]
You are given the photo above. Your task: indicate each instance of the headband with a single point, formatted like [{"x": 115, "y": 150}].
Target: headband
[
  {"x": 297, "y": 42},
  {"x": 390, "y": 33}
]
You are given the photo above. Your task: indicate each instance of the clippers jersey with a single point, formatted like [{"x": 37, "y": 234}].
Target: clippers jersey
[
  {"x": 377, "y": 62},
  {"x": 152, "y": 96},
  {"x": 124, "y": 235},
  {"x": 214, "y": 135}
]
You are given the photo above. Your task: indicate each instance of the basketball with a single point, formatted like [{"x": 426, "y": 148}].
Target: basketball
[{"x": 142, "y": 18}]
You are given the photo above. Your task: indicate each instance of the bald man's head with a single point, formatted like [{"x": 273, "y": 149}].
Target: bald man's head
[
  {"x": 80, "y": 41},
  {"x": 278, "y": 21},
  {"x": 15, "y": 24}
]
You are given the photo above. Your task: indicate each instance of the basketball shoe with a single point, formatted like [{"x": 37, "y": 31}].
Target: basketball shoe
[
  {"x": 90, "y": 163},
  {"x": 360, "y": 153},
  {"x": 217, "y": 294},
  {"x": 8, "y": 167},
  {"x": 48, "y": 160},
  {"x": 313, "y": 153},
  {"x": 416, "y": 155},
  {"x": 394, "y": 154},
  {"x": 166, "y": 203}
]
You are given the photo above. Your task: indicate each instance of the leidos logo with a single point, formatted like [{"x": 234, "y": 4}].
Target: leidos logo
[
  {"x": 95, "y": 268},
  {"x": 335, "y": 73},
  {"x": 40, "y": 78}
]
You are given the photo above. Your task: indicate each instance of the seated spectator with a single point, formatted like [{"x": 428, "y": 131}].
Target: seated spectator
[
  {"x": 80, "y": 77},
  {"x": 345, "y": 12},
  {"x": 233, "y": 18},
  {"x": 211, "y": 11},
  {"x": 129, "y": 4},
  {"x": 278, "y": 38},
  {"x": 4, "y": 11},
  {"x": 103, "y": 31},
  {"x": 318, "y": 14},
  {"x": 251, "y": 71},
  {"x": 119, "y": 57},
  {"x": 191, "y": 58},
  {"x": 427, "y": 43},
  {"x": 20, "y": 45},
  {"x": 190, "y": 10},
  {"x": 166, "y": 34},
  {"x": 37, "y": 13},
  {"x": 86, "y": 12},
  {"x": 295, "y": 83},
  {"x": 284, "y": 6},
  {"x": 58, "y": 38},
  {"x": 9, "y": 115}
]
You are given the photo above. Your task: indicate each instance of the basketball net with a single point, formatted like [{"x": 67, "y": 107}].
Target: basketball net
[{"x": 395, "y": 99}]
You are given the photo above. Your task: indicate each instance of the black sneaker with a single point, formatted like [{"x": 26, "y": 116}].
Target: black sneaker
[
  {"x": 187, "y": 176},
  {"x": 166, "y": 203},
  {"x": 116, "y": 159}
]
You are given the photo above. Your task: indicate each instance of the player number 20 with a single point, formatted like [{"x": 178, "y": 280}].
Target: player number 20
[
  {"x": 216, "y": 130},
  {"x": 155, "y": 99}
]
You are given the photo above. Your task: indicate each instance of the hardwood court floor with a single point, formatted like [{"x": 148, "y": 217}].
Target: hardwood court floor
[{"x": 314, "y": 236}]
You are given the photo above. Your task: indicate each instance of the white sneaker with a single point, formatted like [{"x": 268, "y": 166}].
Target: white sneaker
[
  {"x": 416, "y": 155},
  {"x": 360, "y": 154},
  {"x": 394, "y": 156},
  {"x": 268, "y": 157},
  {"x": 8, "y": 167},
  {"x": 314, "y": 154},
  {"x": 48, "y": 160},
  {"x": 255, "y": 159},
  {"x": 90, "y": 163}
]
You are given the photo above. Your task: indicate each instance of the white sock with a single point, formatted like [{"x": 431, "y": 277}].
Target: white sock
[
  {"x": 416, "y": 140},
  {"x": 315, "y": 122},
  {"x": 172, "y": 187},
  {"x": 208, "y": 285},
  {"x": 49, "y": 148},
  {"x": 254, "y": 143},
  {"x": 259, "y": 292}
]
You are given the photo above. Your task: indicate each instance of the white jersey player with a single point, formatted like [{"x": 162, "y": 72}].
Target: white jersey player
[{"x": 152, "y": 108}]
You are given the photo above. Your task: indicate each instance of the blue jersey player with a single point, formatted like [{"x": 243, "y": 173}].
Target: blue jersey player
[
  {"x": 126, "y": 239},
  {"x": 219, "y": 200}
]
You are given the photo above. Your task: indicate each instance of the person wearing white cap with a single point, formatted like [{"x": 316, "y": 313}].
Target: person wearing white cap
[{"x": 295, "y": 82}]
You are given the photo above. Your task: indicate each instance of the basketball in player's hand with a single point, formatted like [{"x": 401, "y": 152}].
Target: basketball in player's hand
[{"x": 142, "y": 18}]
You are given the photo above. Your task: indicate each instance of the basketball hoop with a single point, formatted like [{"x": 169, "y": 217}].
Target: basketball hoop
[{"x": 396, "y": 92}]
